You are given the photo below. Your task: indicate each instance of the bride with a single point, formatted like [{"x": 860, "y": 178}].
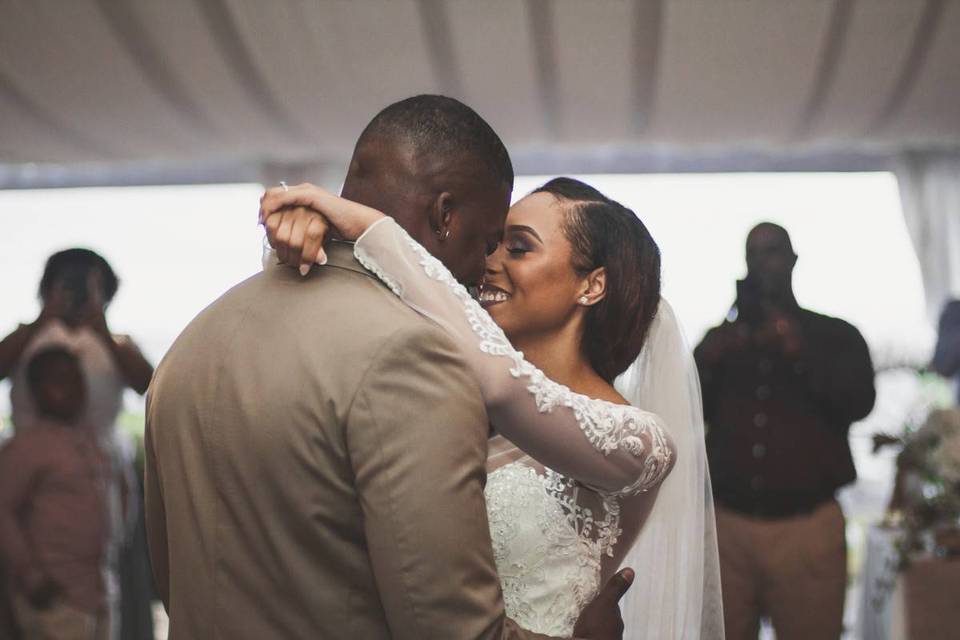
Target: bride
[{"x": 571, "y": 315}]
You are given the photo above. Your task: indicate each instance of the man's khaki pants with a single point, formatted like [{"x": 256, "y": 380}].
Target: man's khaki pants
[
  {"x": 793, "y": 570},
  {"x": 59, "y": 622}
]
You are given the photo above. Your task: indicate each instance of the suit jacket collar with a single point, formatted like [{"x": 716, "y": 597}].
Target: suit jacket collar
[{"x": 340, "y": 255}]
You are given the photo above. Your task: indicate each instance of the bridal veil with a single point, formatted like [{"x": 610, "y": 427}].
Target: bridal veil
[{"x": 676, "y": 593}]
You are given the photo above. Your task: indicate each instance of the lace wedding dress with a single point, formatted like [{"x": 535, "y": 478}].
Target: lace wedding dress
[
  {"x": 548, "y": 546},
  {"x": 552, "y": 536}
]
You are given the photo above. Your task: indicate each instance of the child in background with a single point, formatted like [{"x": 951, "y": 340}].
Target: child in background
[{"x": 54, "y": 520}]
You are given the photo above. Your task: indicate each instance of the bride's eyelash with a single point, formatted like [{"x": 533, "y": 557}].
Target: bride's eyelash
[{"x": 517, "y": 246}]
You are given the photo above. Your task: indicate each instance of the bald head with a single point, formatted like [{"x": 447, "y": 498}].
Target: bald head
[
  {"x": 770, "y": 259},
  {"x": 770, "y": 233},
  {"x": 440, "y": 170}
]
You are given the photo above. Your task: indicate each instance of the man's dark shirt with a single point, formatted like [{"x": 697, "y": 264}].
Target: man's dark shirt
[{"x": 777, "y": 425}]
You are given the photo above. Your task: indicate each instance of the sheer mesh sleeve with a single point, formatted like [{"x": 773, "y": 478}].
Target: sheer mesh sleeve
[{"x": 616, "y": 449}]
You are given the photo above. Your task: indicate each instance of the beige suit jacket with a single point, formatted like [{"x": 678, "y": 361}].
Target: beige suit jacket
[{"x": 315, "y": 469}]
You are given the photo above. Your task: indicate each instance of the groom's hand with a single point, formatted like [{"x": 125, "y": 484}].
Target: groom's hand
[{"x": 601, "y": 620}]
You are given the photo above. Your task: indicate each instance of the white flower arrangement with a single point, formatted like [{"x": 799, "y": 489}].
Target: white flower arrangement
[
  {"x": 930, "y": 468},
  {"x": 945, "y": 455}
]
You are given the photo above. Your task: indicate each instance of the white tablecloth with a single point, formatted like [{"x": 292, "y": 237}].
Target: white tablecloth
[
  {"x": 881, "y": 615},
  {"x": 920, "y": 603}
]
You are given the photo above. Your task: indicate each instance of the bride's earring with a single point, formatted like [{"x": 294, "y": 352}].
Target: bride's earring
[
  {"x": 444, "y": 235},
  {"x": 583, "y": 300}
]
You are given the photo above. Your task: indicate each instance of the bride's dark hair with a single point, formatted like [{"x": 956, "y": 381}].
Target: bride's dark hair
[{"x": 606, "y": 234}]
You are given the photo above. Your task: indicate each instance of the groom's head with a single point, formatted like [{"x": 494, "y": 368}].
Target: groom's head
[{"x": 438, "y": 168}]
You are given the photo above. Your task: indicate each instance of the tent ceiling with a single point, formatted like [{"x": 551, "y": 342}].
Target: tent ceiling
[{"x": 222, "y": 83}]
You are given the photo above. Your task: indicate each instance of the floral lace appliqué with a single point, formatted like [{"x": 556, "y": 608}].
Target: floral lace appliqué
[
  {"x": 371, "y": 265},
  {"x": 547, "y": 548}
]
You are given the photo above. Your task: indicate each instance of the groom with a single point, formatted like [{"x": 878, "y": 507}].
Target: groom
[{"x": 316, "y": 449}]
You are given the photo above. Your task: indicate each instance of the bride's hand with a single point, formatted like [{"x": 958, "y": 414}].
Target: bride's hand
[{"x": 298, "y": 234}]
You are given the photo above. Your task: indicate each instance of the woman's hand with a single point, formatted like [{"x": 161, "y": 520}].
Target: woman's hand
[
  {"x": 298, "y": 221},
  {"x": 297, "y": 235}
]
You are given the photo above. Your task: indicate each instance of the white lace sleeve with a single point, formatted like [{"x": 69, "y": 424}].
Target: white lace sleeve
[{"x": 612, "y": 448}]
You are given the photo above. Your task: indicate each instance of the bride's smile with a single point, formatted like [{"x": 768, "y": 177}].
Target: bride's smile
[{"x": 491, "y": 295}]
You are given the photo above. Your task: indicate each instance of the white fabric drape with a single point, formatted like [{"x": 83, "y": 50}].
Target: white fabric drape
[
  {"x": 200, "y": 83},
  {"x": 930, "y": 194}
]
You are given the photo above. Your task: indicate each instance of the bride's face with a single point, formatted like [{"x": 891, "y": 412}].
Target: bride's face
[{"x": 530, "y": 287}]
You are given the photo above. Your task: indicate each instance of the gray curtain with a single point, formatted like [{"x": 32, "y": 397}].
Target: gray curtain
[{"x": 930, "y": 194}]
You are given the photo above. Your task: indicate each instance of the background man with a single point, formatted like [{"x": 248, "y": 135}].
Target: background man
[
  {"x": 781, "y": 386},
  {"x": 946, "y": 356}
]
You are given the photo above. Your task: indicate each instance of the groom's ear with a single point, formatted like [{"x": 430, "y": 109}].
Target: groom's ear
[{"x": 441, "y": 214}]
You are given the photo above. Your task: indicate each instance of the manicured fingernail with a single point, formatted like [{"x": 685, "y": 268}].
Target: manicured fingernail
[
  {"x": 304, "y": 269},
  {"x": 322, "y": 258}
]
